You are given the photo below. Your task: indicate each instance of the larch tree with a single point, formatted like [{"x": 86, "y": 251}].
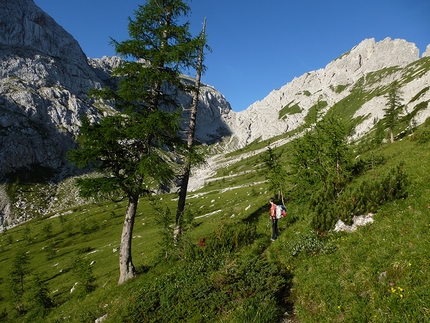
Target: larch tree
[
  {"x": 321, "y": 157},
  {"x": 322, "y": 163},
  {"x": 394, "y": 107},
  {"x": 127, "y": 149},
  {"x": 275, "y": 172}
]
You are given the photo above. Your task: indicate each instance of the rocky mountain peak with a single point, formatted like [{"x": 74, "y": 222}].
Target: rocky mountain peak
[
  {"x": 285, "y": 109},
  {"x": 370, "y": 56},
  {"x": 44, "y": 80},
  {"x": 26, "y": 26},
  {"x": 427, "y": 52}
]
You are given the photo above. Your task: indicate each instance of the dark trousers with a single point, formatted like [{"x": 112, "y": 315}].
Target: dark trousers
[{"x": 275, "y": 232}]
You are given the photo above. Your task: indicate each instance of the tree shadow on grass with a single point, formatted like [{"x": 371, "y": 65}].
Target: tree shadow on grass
[{"x": 254, "y": 217}]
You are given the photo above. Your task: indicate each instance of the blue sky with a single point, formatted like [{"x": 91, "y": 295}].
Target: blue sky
[{"x": 257, "y": 45}]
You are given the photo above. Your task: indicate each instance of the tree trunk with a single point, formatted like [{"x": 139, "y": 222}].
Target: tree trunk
[
  {"x": 391, "y": 136},
  {"x": 190, "y": 140},
  {"x": 126, "y": 268}
]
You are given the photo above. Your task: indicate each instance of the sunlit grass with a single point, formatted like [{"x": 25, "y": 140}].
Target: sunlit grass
[{"x": 377, "y": 274}]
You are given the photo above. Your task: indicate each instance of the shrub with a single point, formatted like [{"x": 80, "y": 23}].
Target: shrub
[
  {"x": 89, "y": 226},
  {"x": 309, "y": 243},
  {"x": 256, "y": 309},
  {"x": 226, "y": 239},
  {"x": 84, "y": 275},
  {"x": 363, "y": 198},
  {"x": 421, "y": 137},
  {"x": 215, "y": 282}
]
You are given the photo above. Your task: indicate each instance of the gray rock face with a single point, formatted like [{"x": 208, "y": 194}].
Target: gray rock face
[
  {"x": 427, "y": 52},
  {"x": 44, "y": 78},
  {"x": 331, "y": 84},
  {"x": 212, "y": 115},
  {"x": 44, "y": 81},
  {"x": 26, "y": 26}
]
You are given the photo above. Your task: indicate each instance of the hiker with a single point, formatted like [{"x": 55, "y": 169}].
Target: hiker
[{"x": 273, "y": 218}]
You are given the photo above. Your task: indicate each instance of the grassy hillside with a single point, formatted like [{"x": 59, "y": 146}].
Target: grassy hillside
[{"x": 226, "y": 269}]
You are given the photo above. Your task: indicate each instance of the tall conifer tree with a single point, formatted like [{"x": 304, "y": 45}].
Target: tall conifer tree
[
  {"x": 394, "y": 107},
  {"x": 126, "y": 148}
]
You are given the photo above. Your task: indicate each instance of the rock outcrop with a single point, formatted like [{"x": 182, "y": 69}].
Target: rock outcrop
[
  {"x": 427, "y": 52},
  {"x": 44, "y": 81},
  {"x": 331, "y": 85}
]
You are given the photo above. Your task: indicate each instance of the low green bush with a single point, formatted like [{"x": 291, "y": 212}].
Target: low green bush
[
  {"x": 421, "y": 137},
  {"x": 214, "y": 282},
  {"x": 359, "y": 199},
  {"x": 309, "y": 243}
]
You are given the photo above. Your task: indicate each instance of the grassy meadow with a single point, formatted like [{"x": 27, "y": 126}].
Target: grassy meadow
[{"x": 225, "y": 268}]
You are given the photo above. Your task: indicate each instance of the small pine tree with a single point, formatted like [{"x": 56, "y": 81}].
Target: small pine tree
[
  {"x": 17, "y": 275},
  {"x": 394, "y": 108},
  {"x": 39, "y": 299},
  {"x": 274, "y": 171},
  {"x": 26, "y": 236},
  {"x": 379, "y": 134},
  {"x": 164, "y": 219},
  {"x": 84, "y": 275},
  {"x": 47, "y": 230}
]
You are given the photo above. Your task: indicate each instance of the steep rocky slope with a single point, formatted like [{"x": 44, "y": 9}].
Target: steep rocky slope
[
  {"x": 370, "y": 65},
  {"x": 44, "y": 77},
  {"x": 44, "y": 81}
]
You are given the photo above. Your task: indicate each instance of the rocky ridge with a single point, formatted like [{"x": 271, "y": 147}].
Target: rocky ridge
[{"x": 322, "y": 85}]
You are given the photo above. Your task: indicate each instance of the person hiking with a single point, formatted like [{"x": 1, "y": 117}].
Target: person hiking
[{"x": 275, "y": 232}]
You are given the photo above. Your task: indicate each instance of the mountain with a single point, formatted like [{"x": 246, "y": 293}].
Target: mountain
[
  {"x": 45, "y": 77},
  {"x": 368, "y": 66},
  {"x": 44, "y": 80}
]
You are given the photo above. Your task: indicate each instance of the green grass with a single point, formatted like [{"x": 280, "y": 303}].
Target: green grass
[
  {"x": 416, "y": 69},
  {"x": 377, "y": 274},
  {"x": 419, "y": 94},
  {"x": 338, "y": 89},
  {"x": 289, "y": 110},
  {"x": 313, "y": 112}
]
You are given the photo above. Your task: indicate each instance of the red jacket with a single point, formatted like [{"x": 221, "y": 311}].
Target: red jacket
[{"x": 273, "y": 211}]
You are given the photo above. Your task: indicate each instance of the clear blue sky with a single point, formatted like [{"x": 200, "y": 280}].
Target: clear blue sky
[{"x": 257, "y": 45}]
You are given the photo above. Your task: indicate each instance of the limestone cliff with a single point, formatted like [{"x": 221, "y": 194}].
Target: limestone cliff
[
  {"x": 44, "y": 81},
  {"x": 369, "y": 65}
]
